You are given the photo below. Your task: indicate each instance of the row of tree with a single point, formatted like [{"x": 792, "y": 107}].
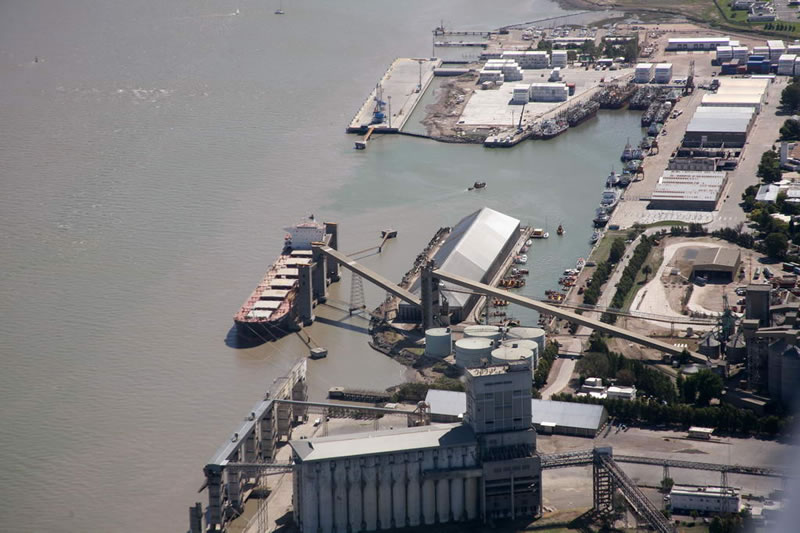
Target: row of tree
[
  {"x": 546, "y": 359},
  {"x": 628, "y": 278},
  {"x": 725, "y": 418}
]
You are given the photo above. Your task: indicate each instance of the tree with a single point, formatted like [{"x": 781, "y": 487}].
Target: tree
[
  {"x": 776, "y": 245},
  {"x": 769, "y": 169},
  {"x": 647, "y": 270},
  {"x": 666, "y": 484},
  {"x": 709, "y": 385},
  {"x": 790, "y": 131},
  {"x": 625, "y": 377},
  {"x": 790, "y": 97},
  {"x": 617, "y": 250}
]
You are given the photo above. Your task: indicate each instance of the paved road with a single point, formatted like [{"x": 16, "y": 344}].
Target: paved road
[
  {"x": 763, "y": 135},
  {"x": 564, "y": 369}
]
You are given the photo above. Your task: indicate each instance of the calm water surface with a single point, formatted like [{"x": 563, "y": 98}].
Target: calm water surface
[{"x": 149, "y": 160}]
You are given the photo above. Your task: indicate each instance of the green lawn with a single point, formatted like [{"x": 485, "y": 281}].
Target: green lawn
[{"x": 603, "y": 246}]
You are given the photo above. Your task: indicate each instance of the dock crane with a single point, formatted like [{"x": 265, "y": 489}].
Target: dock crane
[{"x": 689, "y": 88}]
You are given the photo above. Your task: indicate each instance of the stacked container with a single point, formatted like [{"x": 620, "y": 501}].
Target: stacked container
[
  {"x": 724, "y": 53},
  {"x": 776, "y": 50},
  {"x": 559, "y": 58},
  {"x": 663, "y": 73},
  {"x": 521, "y": 94},
  {"x": 643, "y": 73},
  {"x": 786, "y": 64}
]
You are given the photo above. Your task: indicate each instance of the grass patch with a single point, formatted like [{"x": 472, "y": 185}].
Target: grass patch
[
  {"x": 603, "y": 247},
  {"x": 666, "y": 223}
]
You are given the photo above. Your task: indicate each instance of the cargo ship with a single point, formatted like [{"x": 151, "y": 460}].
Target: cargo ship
[{"x": 268, "y": 313}]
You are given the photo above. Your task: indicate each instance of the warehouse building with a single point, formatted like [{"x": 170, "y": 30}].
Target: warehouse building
[
  {"x": 547, "y": 416},
  {"x": 738, "y": 92},
  {"x": 719, "y": 127},
  {"x": 688, "y": 190},
  {"x": 486, "y": 467},
  {"x": 475, "y": 248},
  {"x": 688, "y": 498},
  {"x": 697, "y": 43},
  {"x": 717, "y": 263},
  {"x": 528, "y": 59}
]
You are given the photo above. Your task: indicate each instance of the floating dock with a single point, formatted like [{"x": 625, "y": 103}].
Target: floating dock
[{"x": 394, "y": 98}]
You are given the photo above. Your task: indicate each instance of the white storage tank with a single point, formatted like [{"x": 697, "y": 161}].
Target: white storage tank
[
  {"x": 486, "y": 332},
  {"x": 510, "y": 354},
  {"x": 471, "y": 350},
  {"x": 534, "y": 334},
  {"x": 527, "y": 344},
  {"x": 438, "y": 342}
]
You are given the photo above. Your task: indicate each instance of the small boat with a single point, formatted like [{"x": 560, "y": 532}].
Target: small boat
[
  {"x": 524, "y": 249},
  {"x": 609, "y": 199},
  {"x": 601, "y": 219},
  {"x": 612, "y": 179},
  {"x": 280, "y": 10},
  {"x": 477, "y": 185},
  {"x": 519, "y": 271},
  {"x": 528, "y": 242},
  {"x": 521, "y": 259},
  {"x": 580, "y": 264},
  {"x": 560, "y": 230},
  {"x": 539, "y": 233},
  {"x": 595, "y": 237}
]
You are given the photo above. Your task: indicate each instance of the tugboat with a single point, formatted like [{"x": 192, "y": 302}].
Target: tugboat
[
  {"x": 601, "y": 219},
  {"x": 477, "y": 185},
  {"x": 560, "y": 230},
  {"x": 595, "y": 236}
]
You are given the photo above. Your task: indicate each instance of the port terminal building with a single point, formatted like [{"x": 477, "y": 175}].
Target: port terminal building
[
  {"x": 485, "y": 467},
  {"x": 476, "y": 248},
  {"x": 688, "y": 190},
  {"x": 547, "y": 416}
]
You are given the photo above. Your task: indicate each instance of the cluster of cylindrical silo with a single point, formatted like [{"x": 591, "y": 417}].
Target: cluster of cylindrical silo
[
  {"x": 438, "y": 342},
  {"x": 379, "y": 492}
]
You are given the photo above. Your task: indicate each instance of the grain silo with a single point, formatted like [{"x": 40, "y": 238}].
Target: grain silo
[
  {"x": 527, "y": 344},
  {"x": 438, "y": 342},
  {"x": 485, "y": 332},
  {"x": 534, "y": 334},
  {"x": 512, "y": 354},
  {"x": 471, "y": 351}
]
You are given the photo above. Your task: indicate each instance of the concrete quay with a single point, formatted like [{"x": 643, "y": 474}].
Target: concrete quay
[{"x": 402, "y": 87}]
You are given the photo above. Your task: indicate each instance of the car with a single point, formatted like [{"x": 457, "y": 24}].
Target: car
[
  {"x": 590, "y": 263},
  {"x": 317, "y": 422},
  {"x": 741, "y": 291}
]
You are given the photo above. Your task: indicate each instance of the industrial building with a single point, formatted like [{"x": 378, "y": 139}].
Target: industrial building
[
  {"x": 719, "y": 127},
  {"x": 717, "y": 263},
  {"x": 688, "y": 190},
  {"x": 687, "y": 498},
  {"x": 547, "y": 416},
  {"x": 475, "y": 248},
  {"x": 485, "y": 467},
  {"x": 697, "y": 43}
]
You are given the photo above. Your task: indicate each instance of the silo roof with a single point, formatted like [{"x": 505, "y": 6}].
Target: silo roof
[{"x": 471, "y": 248}]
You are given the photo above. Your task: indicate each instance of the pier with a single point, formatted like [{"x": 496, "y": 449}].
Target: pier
[{"x": 392, "y": 101}]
